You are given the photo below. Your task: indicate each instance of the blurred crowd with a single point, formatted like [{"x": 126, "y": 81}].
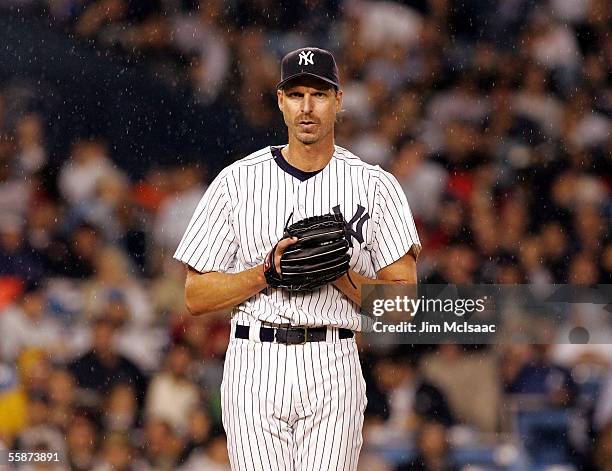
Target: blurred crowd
[{"x": 495, "y": 117}]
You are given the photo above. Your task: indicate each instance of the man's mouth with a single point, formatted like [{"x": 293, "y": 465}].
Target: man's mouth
[{"x": 307, "y": 125}]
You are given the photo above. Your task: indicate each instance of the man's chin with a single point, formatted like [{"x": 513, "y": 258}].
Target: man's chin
[{"x": 305, "y": 138}]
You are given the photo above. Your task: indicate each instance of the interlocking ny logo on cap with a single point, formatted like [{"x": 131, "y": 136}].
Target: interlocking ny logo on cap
[
  {"x": 301, "y": 62},
  {"x": 306, "y": 58}
]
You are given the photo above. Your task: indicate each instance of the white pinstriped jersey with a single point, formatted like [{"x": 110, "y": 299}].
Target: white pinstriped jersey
[{"x": 244, "y": 211}]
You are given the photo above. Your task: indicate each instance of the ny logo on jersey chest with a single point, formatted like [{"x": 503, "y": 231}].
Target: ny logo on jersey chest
[
  {"x": 360, "y": 218},
  {"x": 306, "y": 58}
]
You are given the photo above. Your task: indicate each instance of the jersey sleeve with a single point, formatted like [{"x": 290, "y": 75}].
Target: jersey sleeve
[
  {"x": 395, "y": 232},
  {"x": 209, "y": 243}
]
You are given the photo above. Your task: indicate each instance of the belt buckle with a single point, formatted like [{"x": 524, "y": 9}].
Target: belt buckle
[{"x": 305, "y": 336}]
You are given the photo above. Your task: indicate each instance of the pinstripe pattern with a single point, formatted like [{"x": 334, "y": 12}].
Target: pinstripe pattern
[
  {"x": 243, "y": 214},
  {"x": 295, "y": 407}
]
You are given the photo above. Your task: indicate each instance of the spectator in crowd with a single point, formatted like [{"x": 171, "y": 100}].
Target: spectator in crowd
[
  {"x": 17, "y": 259},
  {"x": 39, "y": 432},
  {"x": 186, "y": 190},
  {"x": 167, "y": 290},
  {"x": 207, "y": 339},
  {"x": 82, "y": 438},
  {"x": 423, "y": 181},
  {"x": 200, "y": 34},
  {"x": 118, "y": 454},
  {"x": 433, "y": 452},
  {"x": 172, "y": 396},
  {"x": 103, "y": 209},
  {"x": 89, "y": 164},
  {"x": 137, "y": 341},
  {"x": 62, "y": 397},
  {"x": 102, "y": 367},
  {"x": 120, "y": 411},
  {"x": 162, "y": 446},
  {"x": 30, "y": 142},
  {"x": 533, "y": 101},
  {"x": 199, "y": 433},
  {"x": 403, "y": 398},
  {"x": 540, "y": 376},
  {"x": 29, "y": 324},
  {"x": 34, "y": 367},
  {"x": 531, "y": 263},
  {"x": 214, "y": 457},
  {"x": 15, "y": 190},
  {"x": 43, "y": 234},
  {"x": 114, "y": 280},
  {"x": 552, "y": 44},
  {"x": 453, "y": 371}
]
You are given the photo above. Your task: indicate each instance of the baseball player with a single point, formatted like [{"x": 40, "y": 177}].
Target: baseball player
[{"x": 285, "y": 238}]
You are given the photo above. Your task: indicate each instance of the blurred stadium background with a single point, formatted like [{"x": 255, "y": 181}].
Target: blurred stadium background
[{"x": 115, "y": 114}]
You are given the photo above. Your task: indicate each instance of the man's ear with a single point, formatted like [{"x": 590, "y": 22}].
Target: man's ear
[
  {"x": 338, "y": 101},
  {"x": 279, "y": 99}
]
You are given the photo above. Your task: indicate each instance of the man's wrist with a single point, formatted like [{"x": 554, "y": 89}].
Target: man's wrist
[
  {"x": 260, "y": 274},
  {"x": 337, "y": 283},
  {"x": 344, "y": 283}
]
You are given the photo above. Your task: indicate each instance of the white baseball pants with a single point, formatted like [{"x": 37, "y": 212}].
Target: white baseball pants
[{"x": 293, "y": 407}]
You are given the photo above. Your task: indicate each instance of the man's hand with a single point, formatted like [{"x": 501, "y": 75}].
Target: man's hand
[
  {"x": 280, "y": 250},
  {"x": 312, "y": 253}
]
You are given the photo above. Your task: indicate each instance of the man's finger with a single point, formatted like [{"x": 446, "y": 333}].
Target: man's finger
[
  {"x": 283, "y": 244},
  {"x": 280, "y": 250}
]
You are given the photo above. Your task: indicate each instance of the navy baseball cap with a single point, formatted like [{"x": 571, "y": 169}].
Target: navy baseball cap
[{"x": 309, "y": 61}]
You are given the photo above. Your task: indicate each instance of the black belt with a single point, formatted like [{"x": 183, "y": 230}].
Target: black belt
[{"x": 291, "y": 335}]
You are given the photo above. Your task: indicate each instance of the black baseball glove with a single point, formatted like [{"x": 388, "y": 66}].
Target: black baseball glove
[{"x": 320, "y": 255}]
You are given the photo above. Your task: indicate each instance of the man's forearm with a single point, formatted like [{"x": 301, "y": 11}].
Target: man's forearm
[
  {"x": 354, "y": 294},
  {"x": 215, "y": 291}
]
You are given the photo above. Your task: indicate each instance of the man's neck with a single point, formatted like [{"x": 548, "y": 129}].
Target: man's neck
[{"x": 311, "y": 157}]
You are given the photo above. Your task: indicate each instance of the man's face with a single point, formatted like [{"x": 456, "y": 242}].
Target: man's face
[
  {"x": 103, "y": 335},
  {"x": 309, "y": 107}
]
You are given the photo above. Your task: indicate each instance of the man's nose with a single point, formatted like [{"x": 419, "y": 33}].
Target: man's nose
[{"x": 306, "y": 104}]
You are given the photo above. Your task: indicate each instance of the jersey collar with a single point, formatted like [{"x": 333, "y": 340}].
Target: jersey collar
[{"x": 290, "y": 169}]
